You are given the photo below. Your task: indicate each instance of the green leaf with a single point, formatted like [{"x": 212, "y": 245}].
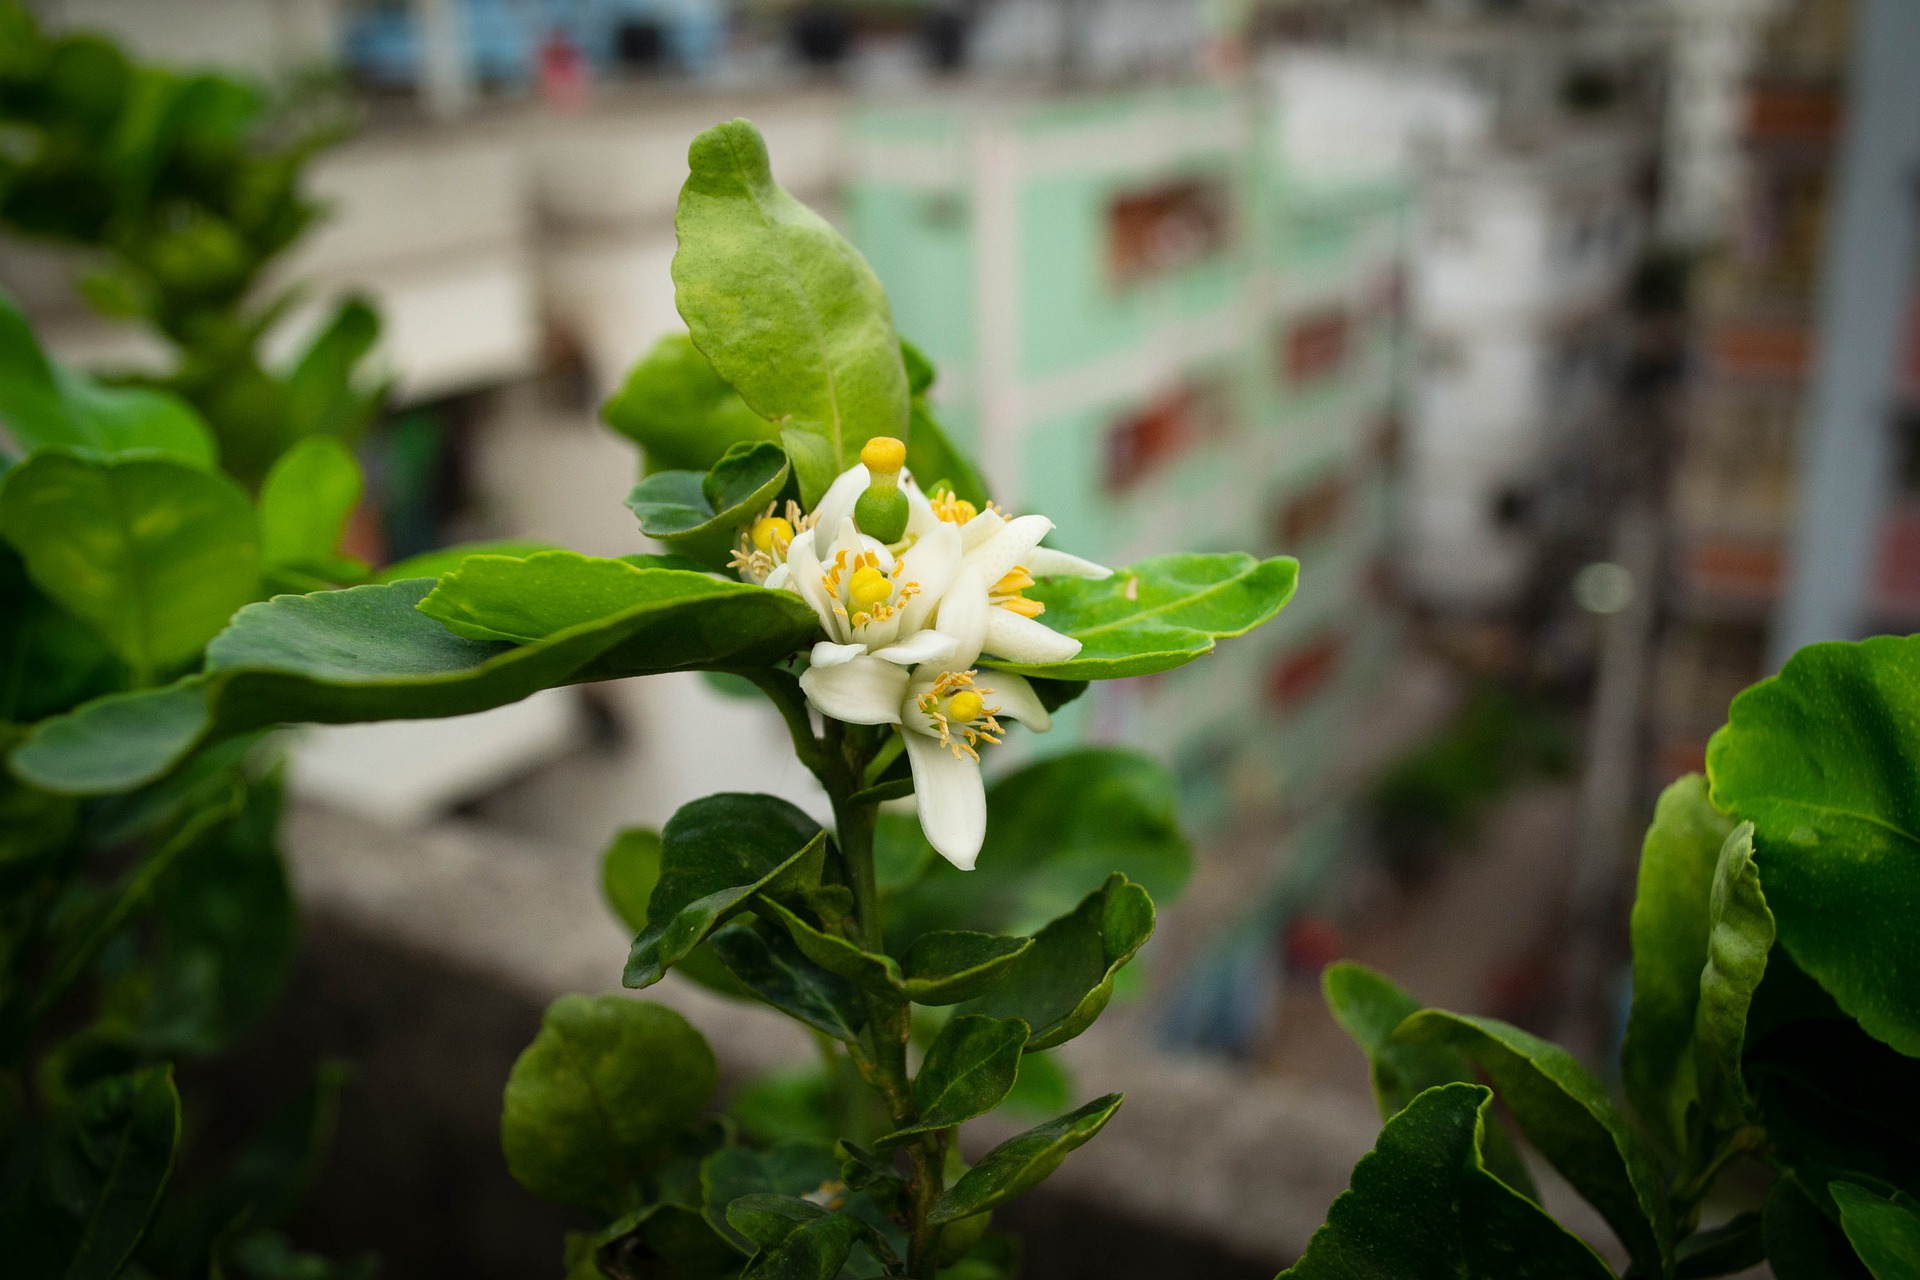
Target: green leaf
[
  {"x": 593, "y": 1101},
  {"x": 442, "y": 560},
  {"x": 101, "y": 1176},
  {"x": 629, "y": 869},
  {"x": 1370, "y": 1008},
  {"x": 1160, "y": 613},
  {"x": 1801, "y": 1243},
  {"x": 815, "y": 1244},
  {"x": 1021, "y": 1163},
  {"x": 834, "y": 953},
  {"x": 43, "y": 403},
  {"x": 1740, "y": 936},
  {"x": 1670, "y": 927},
  {"x": 785, "y": 1169},
  {"x": 305, "y": 501},
  {"x": 1732, "y": 1246},
  {"x": 675, "y": 1235},
  {"x": 322, "y": 398},
  {"x": 969, "y": 1070},
  {"x": 682, "y": 413},
  {"x": 366, "y": 653},
  {"x": 153, "y": 554},
  {"x": 949, "y": 966},
  {"x": 715, "y": 855},
  {"x": 763, "y": 957},
  {"x": 700, "y": 515},
  {"x": 1885, "y": 1233},
  {"x": 1063, "y": 982},
  {"x": 1823, "y": 760},
  {"x": 787, "y": 311},
  {"x": 1422, "y": 1207},
  {"x": 1570, "y": 1120}
]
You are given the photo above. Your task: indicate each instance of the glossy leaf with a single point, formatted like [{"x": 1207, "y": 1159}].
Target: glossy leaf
[
  {"x": 155, "y": 555},
  {"x": 1370, "y": 1008},
  {"x": 949, "y": 966},
  {"x": 701, "y": 514},
  {"x": 1739, "y": 938},
  {"x": 1160, "y": 613},
  {"x": 1823, "y": 760},
  {"x": 968, "y": 1071},
  {"x": 1422, "y": 1207},
  {"x": 367, "y": 653},
  {"x": 1670, "y": 928},
  {"x": 834, "y": 953},
  {"x": 765, "y": 960},
  {"x": 592, "y": 1102},
  {"x": 808, "y": 1244},
  {"x": 715, "y": 855},
  {"x": 1063, "y": 982},
  {"x": 682, "y": 413},
  {"x": 305, "y": 501},
  {"x": 1570, "y": 1120},
  {"x": 786, "y": 310},
  {"x": 629, "y": 869},
  {"x": 784, "y": 1169},
  {"x": 1021, "y": 1163},
  {"x": 1884, "y": 1232}
]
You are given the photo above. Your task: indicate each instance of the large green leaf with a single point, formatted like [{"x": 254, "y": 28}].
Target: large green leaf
[
  {"x": 1021, "y": 1163},
  {"x": 1570, "y": 1120},
  {"x": 42, "y": 403},
  {"x": 1739, "y": 938},
  {"x": 1885, "y": 1232},
  {"x": 949, "y": 966},
  {"x": 969, "y": 1070},
  {"x": 1370, "y": 1008},
  {"x": 785, "y": 1169},
  {"x": 1670, "y": 927},
  {"x": 593, "y": 1101},
  {"x": 796, "y": 1239},
  {"x": 682, "y": 413},
  {"x": 629, "y": 869},
  {"x": 367, "y": 653},
  {"x": 155, "y": 555},
  {"x": 101, "y": 1175},
  {"x": 304, "y": 504},
  {"x": 1824, "y": 761},
  {"x": 699, "y": 514},
  {"x": 715, "y": 855},
  {"x": 1160, "y": 613},
  {"x": 1423, "y": 1207},
  {"x": 786, "y": 310},
  {"x": 763, "y": 957}
]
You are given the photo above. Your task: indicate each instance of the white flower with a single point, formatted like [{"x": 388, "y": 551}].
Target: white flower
[{"x": 870, "y": 602}]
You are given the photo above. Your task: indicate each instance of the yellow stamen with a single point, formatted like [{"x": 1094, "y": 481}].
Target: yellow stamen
[
  {"x": 771, "y": 532},
  {"x": 1021, "y": 605},
  {"x": 1014, "y": 581},
  {"x": 952, "y": 508}
]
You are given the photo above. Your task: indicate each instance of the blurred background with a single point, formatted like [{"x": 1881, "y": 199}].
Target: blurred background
[{"x": 1570, "y": 346}]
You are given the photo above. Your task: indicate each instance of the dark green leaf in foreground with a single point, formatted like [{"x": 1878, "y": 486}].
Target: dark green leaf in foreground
[
  {"x": 1824, "y": 761},
  {"x": 949, "y": 966},
  {"x": 1061, "y": 984},
  {"x": 715, "y": 854},
  {"x": 592, "y": 1102},
  {"x": 1021, "y": 1163},
  {"x": 305, "y": 501},
  {"x": 682, "y": 413},
  {"x": 152, "y": 553},
  {"x": 1370, "y": 1008},
  {"x": 784, "y": 1169},
  {"x": 1570, "y": 1120},
  {"x": 969, "y": 1070},
  {"x": 833, "y": 952},
  {"x": 1160, "y": 613},
  {"x": 1422, "y": 1207},
  {"x": 785, "y": 308},
  {"x": 1884, "y": 1232},
  {"x": 629, "y": 869},
  {"x": 102, "y": 1174},
  {"x": 699, "y": 514},
  {"x": 1670, "y": 927},
  {"x": 763, "y": 957}
]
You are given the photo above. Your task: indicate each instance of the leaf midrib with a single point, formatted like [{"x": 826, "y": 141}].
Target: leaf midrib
[{"x": 1143, "y": 615}]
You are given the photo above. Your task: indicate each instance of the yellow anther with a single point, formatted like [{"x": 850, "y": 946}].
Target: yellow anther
[
  {"x": 770, "y": 532},
  {"x": 953, "y": 508},
  {"x": 966, "y": 706},
  {"x": 883, "y": 454},
  {"x": 869, "y": 587},
  {"x": 1021, "y": 605},
  {"x": 1013, "y": 582}
]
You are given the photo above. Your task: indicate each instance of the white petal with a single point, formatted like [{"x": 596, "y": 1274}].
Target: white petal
[
  {"x": 920, "y": 517},
  {"x": 930, "y": 563},
  {"x": 951, "y": 799},
  {"x": 1045, "y": 562},
  {"x": 862, "y": 690},
  {"x": 854, "y": 543},
  {"x": 828, "y": 654},
  {"x": 980, "y": 528},
  {"x": 1014, "y": 699},
  {"x": 963, "y": 615},
  {"x": 921, "y": 646},
  {"x": 1024, "y": 640},
  {"x": 1007, "y": 548},
  {"x": 836, "y": 504},
  {"x": 804, "y": 566},
  {"x": 779, "y": 578}
]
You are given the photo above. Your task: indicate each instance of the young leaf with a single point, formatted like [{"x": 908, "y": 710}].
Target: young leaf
[
  {"x": 1670, "y": 927},
  {"x": 1739, "y": 937},
  {"x": 1021, "y": 1163},
  {"x": 1160, "y": 613},
  {"x": 835, "y": 954},
  {"x": 1822, "y": 759},
  {"x": 715, "y": 854},
  {"x": 305, "y": 501},
  {"x": 1370, "y": 1008},
  {"x": 155, "y": 555},
  {"x": 593, "y": 1100},
  {"x": 1063, "y": 982},
  {"x": 949, "y": 966},
  {"x": 1570, "y": 1120},
  {"x": 1884, "y": 1232},
  {"x": 968, "y": 1071},
  {"x": 786, "y": 310},
  {"x": 700, "y": 514},
  {"x": 785, "y": 1169},
  {"x": 682, "y": 413},
  {"x": 1423, "y": 1207},
  {"x": 762, "y": 956}
]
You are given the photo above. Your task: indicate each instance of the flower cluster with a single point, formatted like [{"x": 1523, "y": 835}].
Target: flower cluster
[{"x": 906, "y": 622}]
